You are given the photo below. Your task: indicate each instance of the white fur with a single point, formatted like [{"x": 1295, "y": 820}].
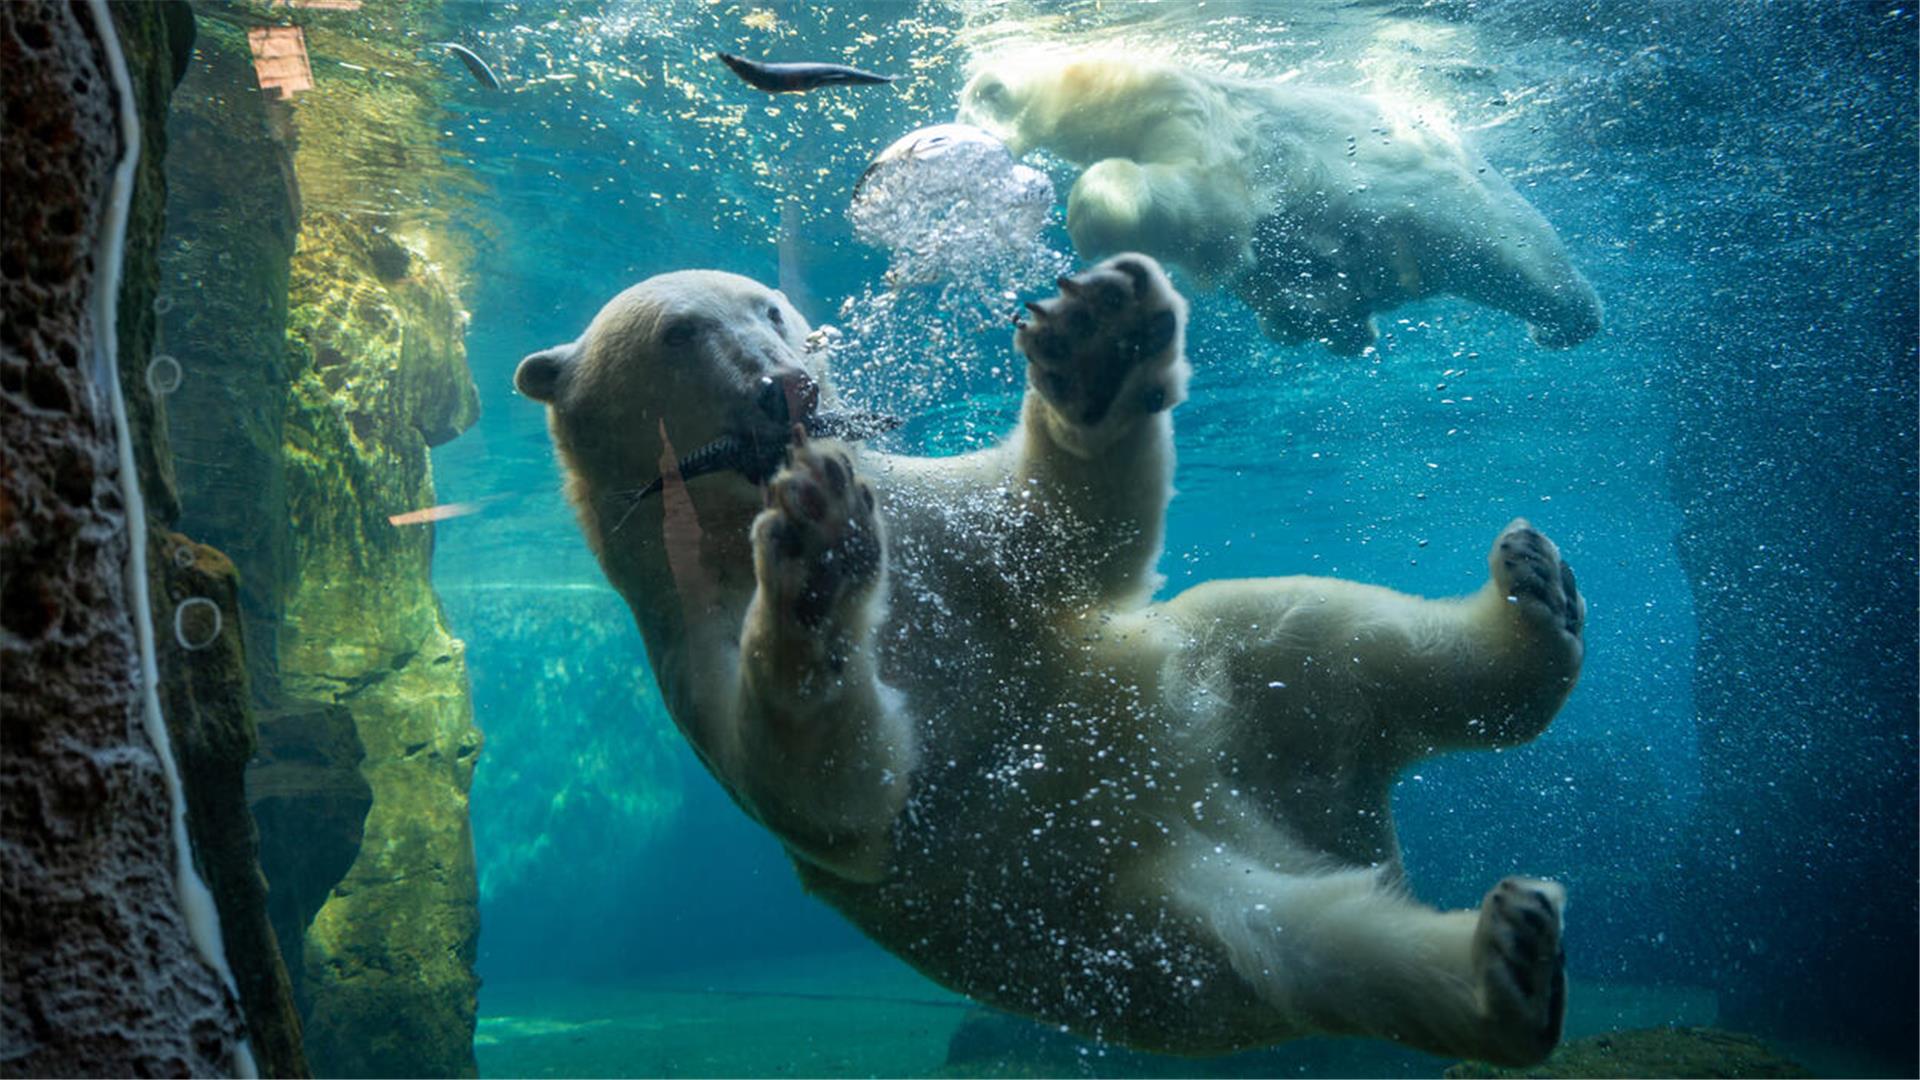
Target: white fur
[
  {"x": 1165, "y": 824},
  {"x": 1318, "y": 207}
]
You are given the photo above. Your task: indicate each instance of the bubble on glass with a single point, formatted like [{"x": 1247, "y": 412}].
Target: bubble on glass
[
  {"x": 164, "y": 375},
  {"x": 196, "y": 623},
  {"x": 162, "y": 305},
  {"x": 183, "y": 556}
]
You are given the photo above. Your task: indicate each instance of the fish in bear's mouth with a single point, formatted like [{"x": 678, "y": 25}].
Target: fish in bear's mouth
[{"x": 758, "y": 457}]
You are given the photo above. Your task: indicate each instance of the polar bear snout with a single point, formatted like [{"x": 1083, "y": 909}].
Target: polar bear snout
[{"x": 786, "y": 396}]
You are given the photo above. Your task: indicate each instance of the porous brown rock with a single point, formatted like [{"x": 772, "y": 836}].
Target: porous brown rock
[{"x": 101, "y": 975}]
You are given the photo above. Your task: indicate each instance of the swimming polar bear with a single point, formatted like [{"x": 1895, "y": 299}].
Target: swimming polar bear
[
  {"x": 943, "y": 685},
  {"x": 1318, "y": 207}
]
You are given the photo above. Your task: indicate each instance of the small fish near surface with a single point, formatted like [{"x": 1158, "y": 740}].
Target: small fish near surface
[
  {"x": 798, "y": 78},
  {"x": 482, "y": 74}
]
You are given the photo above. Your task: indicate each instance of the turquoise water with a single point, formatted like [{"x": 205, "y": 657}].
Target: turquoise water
[{"x": 1730, "y": 466}]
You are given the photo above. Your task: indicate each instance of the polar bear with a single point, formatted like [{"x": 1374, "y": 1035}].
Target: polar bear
[
  {"x": 944, "y": 685},
  {"x": 1316, "y": 206}
]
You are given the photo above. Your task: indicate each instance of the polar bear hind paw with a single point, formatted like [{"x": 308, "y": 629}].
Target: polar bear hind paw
[
  {"x": 1521, "y": 969},
  {"x": 1527, "y": 569},
  {"x": 818, "y": 544},
  {"x": 1108, "y": 344}
]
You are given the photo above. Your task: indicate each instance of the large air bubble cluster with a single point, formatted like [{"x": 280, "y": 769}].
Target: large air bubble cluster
[
  {"x": 948, "y": 201},
  {"x": 964, "y": 226}
]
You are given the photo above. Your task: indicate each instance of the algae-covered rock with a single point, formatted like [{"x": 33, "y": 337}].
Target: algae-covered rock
[
  {"x": 206, "y": 698},
  {"x": 379, "y": 372},
  {"x": 319, "y": 334},
  {"x": 1675, "y": 1052},
  {"x": 389, "y": 958},
  {"x": 306, "y": 792},
  {"x": 377, "y": 368}
]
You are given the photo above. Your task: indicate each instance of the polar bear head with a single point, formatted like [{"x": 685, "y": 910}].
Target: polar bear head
[
  {"x": 671, "y": 368},
  {"x": 1080, "y": 105}
]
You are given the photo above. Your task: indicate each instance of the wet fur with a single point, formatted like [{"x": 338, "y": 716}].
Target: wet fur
[{"x": 945, "y": 686}]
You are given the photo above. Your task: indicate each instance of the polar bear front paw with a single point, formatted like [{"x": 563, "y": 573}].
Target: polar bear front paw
[
  {"x": 1521, "y": 970},
  {"x": 818, "y": 545},
  {"x": 1107, "y": 349},
  {"x": 1528, "y": 571}
]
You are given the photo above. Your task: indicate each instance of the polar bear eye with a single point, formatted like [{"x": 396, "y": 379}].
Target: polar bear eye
[
  {"x": 773, "y": 316},
  {"x": 680, "y": 332}
]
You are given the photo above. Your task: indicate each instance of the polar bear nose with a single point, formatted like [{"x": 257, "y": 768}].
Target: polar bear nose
[{"x": 787, "y": 396}]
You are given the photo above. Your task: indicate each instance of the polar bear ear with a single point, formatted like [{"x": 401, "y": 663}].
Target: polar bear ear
[{"x": 540, "y": 375}]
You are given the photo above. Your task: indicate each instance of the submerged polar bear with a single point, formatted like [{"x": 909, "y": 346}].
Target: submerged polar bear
[
  {"x": 942, "y": 684},
  {"x": 1316, "y": 206}
]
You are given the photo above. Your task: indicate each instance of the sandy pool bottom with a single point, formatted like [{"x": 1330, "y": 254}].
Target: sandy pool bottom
[{"x": 867, "y": 1014}]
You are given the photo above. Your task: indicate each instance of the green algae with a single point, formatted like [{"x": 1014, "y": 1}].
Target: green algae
[{"x": 316, "y": 315}]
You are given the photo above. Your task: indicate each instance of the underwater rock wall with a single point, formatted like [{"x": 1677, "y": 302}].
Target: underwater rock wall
[
  {"x": 101, "y": 974},
  {"x": 225, "y": 262},
  {"x": 324, "y": 351},
  {"x": 379, "y": 374},
  {"x": 205, "y": 690}
]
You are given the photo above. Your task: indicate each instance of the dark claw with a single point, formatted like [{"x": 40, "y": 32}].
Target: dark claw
[
  {"x": 786, "y": 539},
  {"x": 1136, "y": 271},
  {"x": 836, "y": 476},
  {"x": 808, "y": 500},
  {"x": 1068, "y": 286},
  {"x": 1035, "y": 307}
]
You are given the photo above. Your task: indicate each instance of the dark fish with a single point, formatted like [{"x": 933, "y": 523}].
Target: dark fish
[
  {"x": 757, "y": 462},
  {"x": 798, "y": 78},
  {"x": 482, "y": 74}
]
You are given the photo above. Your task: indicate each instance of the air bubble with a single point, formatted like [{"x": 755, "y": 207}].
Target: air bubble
[
  {"x": 196, "y": 623},
  {"x": 183, "y": 556},
  {"x": 164, "y": 375},
  {"x": 162, "y": 305}
]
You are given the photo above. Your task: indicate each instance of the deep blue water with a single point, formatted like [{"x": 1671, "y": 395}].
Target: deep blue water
[{"x": 1737, "y": 181}]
